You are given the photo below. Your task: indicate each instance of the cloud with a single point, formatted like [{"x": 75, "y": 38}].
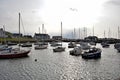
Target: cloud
[
  {"x": 114, "y": 2},
  {"x": 73, "y": 9},
  {"x": 29, "y": 10},
  {"x": 73, "y": 13},
  {"x": 109, "y": 19}
]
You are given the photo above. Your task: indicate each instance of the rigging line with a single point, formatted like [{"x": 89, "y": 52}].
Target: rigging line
[{"x": 22, "y": 26}]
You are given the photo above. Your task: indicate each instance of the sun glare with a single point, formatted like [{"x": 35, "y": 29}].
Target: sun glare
[{"x": 74, "y": 13}]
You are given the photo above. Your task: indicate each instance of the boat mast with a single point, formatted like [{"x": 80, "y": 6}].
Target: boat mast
[
  {"x": 84, "y": 32},
  {"x": 93, "y": 30},
  {"x": 74, "y": 34},
  {"x": 42, "y": 32},
  {"x": 118, "y": 33},
  {"x": 104, "y": 33},
  {"x": 39, "y": 30},
  {"x": 79, "y": 33},
  {"x": 19, "y": 30},
  {"x": 4, "y": 34},
  {"x": 109, "y": 33},
  {"x": 61, "y": 33},
  {"x": 42, "y": 28}
]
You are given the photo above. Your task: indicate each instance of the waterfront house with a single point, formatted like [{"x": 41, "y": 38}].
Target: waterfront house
[
  {"x": 2, "y": 33},
  {"x": 56, "y": 37},
  {"x": 16, "y": 35},
  {"x": 28, "y": 36},
  {"x": 40, "y": 36}
]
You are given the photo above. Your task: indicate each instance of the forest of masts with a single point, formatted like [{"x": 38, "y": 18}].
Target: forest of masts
[{"x": 81, "y": 33}]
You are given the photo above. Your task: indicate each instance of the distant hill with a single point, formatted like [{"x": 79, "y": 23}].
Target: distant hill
[{"x": 9, "y": 35}]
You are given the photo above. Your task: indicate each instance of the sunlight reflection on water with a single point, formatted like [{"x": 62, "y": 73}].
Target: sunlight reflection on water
[{"x": 61, "y": 66}]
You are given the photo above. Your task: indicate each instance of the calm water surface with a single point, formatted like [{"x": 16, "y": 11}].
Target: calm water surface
[{"x": 61, "y": 66}]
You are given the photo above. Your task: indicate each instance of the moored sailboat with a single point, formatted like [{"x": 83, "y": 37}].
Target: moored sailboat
[
  {"x": 14, "y": 53},
  {"x": 11, "y": 43},
  {"x": 42, "y": 44},
  {"x": 117, "y": 45},
  {"x": 105, "y": 45},
  {"x": 76, "y": 51},
  {"x": 71, "y": 45},
  {"x": 118, "y": 49},
  {"x": 93, "y": 53},
  {"x": 84, "y": 45},
  {"x": 60, "y": 48},
  {"x": 28, "y": 44}
]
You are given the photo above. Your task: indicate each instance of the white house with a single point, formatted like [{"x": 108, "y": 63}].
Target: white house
[
  {"x": 2, "y": 33},
  {"x": 41, "y": 36}
]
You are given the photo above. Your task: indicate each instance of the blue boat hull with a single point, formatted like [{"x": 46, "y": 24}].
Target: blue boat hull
[{"x": 93, "y": 55}]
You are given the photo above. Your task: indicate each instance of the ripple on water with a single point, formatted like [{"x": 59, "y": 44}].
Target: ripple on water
[{"x": 61, "y": 66}]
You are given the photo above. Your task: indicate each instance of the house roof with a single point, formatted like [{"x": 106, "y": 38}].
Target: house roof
[{"x": 37, "y": 34}]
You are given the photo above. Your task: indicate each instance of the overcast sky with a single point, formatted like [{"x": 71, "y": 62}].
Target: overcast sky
[{"x": 102, "y": 14}]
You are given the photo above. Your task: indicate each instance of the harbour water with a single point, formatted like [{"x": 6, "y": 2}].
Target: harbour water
[{"x": 62, "y": 66}]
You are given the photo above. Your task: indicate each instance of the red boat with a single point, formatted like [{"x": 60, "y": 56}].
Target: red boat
[{"x": 14, "y": 54}]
